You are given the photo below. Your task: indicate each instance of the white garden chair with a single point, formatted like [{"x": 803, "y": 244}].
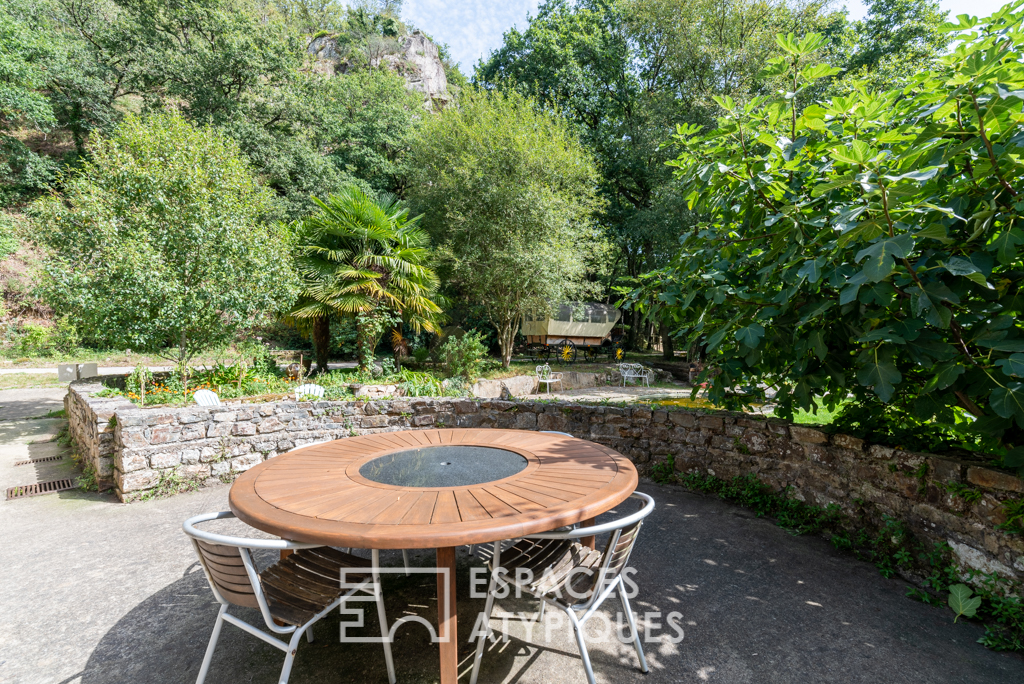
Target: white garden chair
[
  {"x": 635, "y": 371},
  {"x": 570, "y": 576},
  {"x": 316, "y": 570},
  {"x": 308, "y": 390},
  {"x": 205, "y": 397},
  {"x": 545, "y": 376}
]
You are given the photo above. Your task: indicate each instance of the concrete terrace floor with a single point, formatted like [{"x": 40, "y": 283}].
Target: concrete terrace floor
[{"x": 98, "y": 592}]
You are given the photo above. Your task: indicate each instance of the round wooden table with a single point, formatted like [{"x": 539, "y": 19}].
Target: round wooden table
[{"x": 344, "y": 493}]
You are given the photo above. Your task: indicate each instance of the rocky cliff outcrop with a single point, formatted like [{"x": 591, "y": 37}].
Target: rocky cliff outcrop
[{"x": 414, "y": 57}]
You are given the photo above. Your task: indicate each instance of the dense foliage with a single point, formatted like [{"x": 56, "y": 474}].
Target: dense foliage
[
  {"x": 865, "y": 245},
  {"x": 159, "y": 241},
  {"x": 508, "y": 194},
  {"x": 365, "y": 258}
]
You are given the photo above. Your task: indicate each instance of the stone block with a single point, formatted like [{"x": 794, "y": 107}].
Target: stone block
[
  {"x": 136, "y": 480},
  {"x": 710, "y": 422},
  {"x": 944, "y": 469},
  {"x": 219, "y": 429},
  {"x": 659, "y": 417},
  {"x": 243, "y": 463},
  {"x": 67, "y": 372},
  {"x": 193, "y": 416},
  {"x": 224, "y": 417},
  {"x": 682, "y": 419},
  {"x": 243, "y": 429},
  {"x": 193, "y": 432},
  {"x": 993, "y": 479},
  {"x": 164, "y": 434},
  {"x": 163, "y": 460},
  {"x": 526, "y": 421},
  {"x": 158, "y": 418},
  {"x": 380, "y": 421},
  {"x": 220, "y": 468},
  {"x": 195, "y": 471},
  {"x": 207, "y": 454},
  {"x": 271, "y": 424},
  {"x": 848, "y": 442},
  {"x": 807, "y": 435},
  {"x": 190, "y": 456}
]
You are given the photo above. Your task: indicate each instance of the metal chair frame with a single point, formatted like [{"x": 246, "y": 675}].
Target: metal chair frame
[
  {"x": 244, "y": 546},
  {"x": 602, "y": 588},
  {"x": 544, "y": 375},
  {"x": 636, "y": 371}
]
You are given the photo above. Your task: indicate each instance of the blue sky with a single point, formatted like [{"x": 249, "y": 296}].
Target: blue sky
[{"x": 472, "y": 28}]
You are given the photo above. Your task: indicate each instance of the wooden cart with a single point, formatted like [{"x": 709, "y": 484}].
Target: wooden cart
[{"x": 560, "y": 332}]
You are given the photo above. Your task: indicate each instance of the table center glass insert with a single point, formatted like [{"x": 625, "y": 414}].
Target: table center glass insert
[{"x": 443, "y": 466}]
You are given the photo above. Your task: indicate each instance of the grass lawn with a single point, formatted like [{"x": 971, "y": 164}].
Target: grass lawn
[{"x": 29, "y": 381}]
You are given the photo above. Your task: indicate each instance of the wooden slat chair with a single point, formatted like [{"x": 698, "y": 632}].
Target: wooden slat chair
[
  {"x": 297, "y": 591},
  {"x": 570, "y": 576}
]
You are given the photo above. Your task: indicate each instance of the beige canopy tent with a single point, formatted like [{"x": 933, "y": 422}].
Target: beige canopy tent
[{"x": 561, "y": 330}]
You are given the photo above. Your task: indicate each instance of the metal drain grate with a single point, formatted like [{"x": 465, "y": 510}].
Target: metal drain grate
[
  {"x": 45, "y": 459},
  {"x": 22, "y": 491}
]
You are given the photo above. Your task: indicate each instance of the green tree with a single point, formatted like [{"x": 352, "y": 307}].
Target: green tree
[
  {"x": 368, "y": 122},
  {"x": 24, "y": 55},
  {"x": 895, "y": 41},
  {"x": 158, "y": 242},
  {"x": 623, "y": 73},
  {"x": 868, "y": 245},
  {"x": 509, "y": 196},
  {"x": 364, "y": 257}
]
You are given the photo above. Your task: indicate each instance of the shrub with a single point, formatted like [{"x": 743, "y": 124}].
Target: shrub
[
  {"x": 34, "y": 340},
  {"x": 868, "y": 246},
  {"x": 461, "y": 356}
]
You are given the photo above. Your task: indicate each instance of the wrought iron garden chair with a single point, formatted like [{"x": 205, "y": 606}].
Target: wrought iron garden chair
[
  {"x": 297, "y": 591},
  {"x": 570, "y": 576},
  {"x": 205, "y": 397},
  {"x": 545, "y": 376},
  {"x": 635, "y": 371}
]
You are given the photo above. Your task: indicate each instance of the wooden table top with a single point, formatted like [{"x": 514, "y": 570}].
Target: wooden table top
[{"x": 317, "y": 495}]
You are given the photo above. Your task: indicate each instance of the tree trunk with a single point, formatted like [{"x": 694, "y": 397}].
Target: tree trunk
[
  {"x": 668, "y": 352},
  {"x": 322, "y": 342},
  {"x": 506, "y": 337}
]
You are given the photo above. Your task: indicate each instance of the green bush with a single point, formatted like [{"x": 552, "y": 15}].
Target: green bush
[
  {"x": 64, "y": 336},
  {"x": 461, "y": 356},
  {"x": 34, "y": 340},
  {"x": 864, "y": 247}
]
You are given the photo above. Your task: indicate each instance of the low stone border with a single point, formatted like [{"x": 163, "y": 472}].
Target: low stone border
[{"x": 140, "y": 450}]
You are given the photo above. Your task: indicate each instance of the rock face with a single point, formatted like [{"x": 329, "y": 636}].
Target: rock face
[{"x": 414, "y": 57}]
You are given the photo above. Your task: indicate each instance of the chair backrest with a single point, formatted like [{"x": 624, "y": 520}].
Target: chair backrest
[
  {"x": 622, "y": 538},
  {"x": 229, "y": 567},
  {"x": 205, "y": 397},
  {"x": 309, "y": 389},
  {"x": 544, "y": 371}
]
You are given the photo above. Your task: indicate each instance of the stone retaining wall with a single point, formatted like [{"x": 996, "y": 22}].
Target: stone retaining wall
[{"x": 139, "y": 450}]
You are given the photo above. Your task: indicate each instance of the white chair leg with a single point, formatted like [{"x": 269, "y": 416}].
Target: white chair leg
[
  {"x": 581, "y": 642},
  {"x": 405, "y": 559},
  {"x": 488, "y": 608},
  {"x": 385, "y": 629},
  {"x": 309, "y": 634},
  {"x": 289, "y": 657},
  {"x": 624, "y": 600},
  {"x": 212, "y": 646},
  {"x": 543, "y": 605}
]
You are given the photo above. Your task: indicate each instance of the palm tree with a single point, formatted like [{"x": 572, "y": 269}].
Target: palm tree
[{"x": 364, "y": 257}]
